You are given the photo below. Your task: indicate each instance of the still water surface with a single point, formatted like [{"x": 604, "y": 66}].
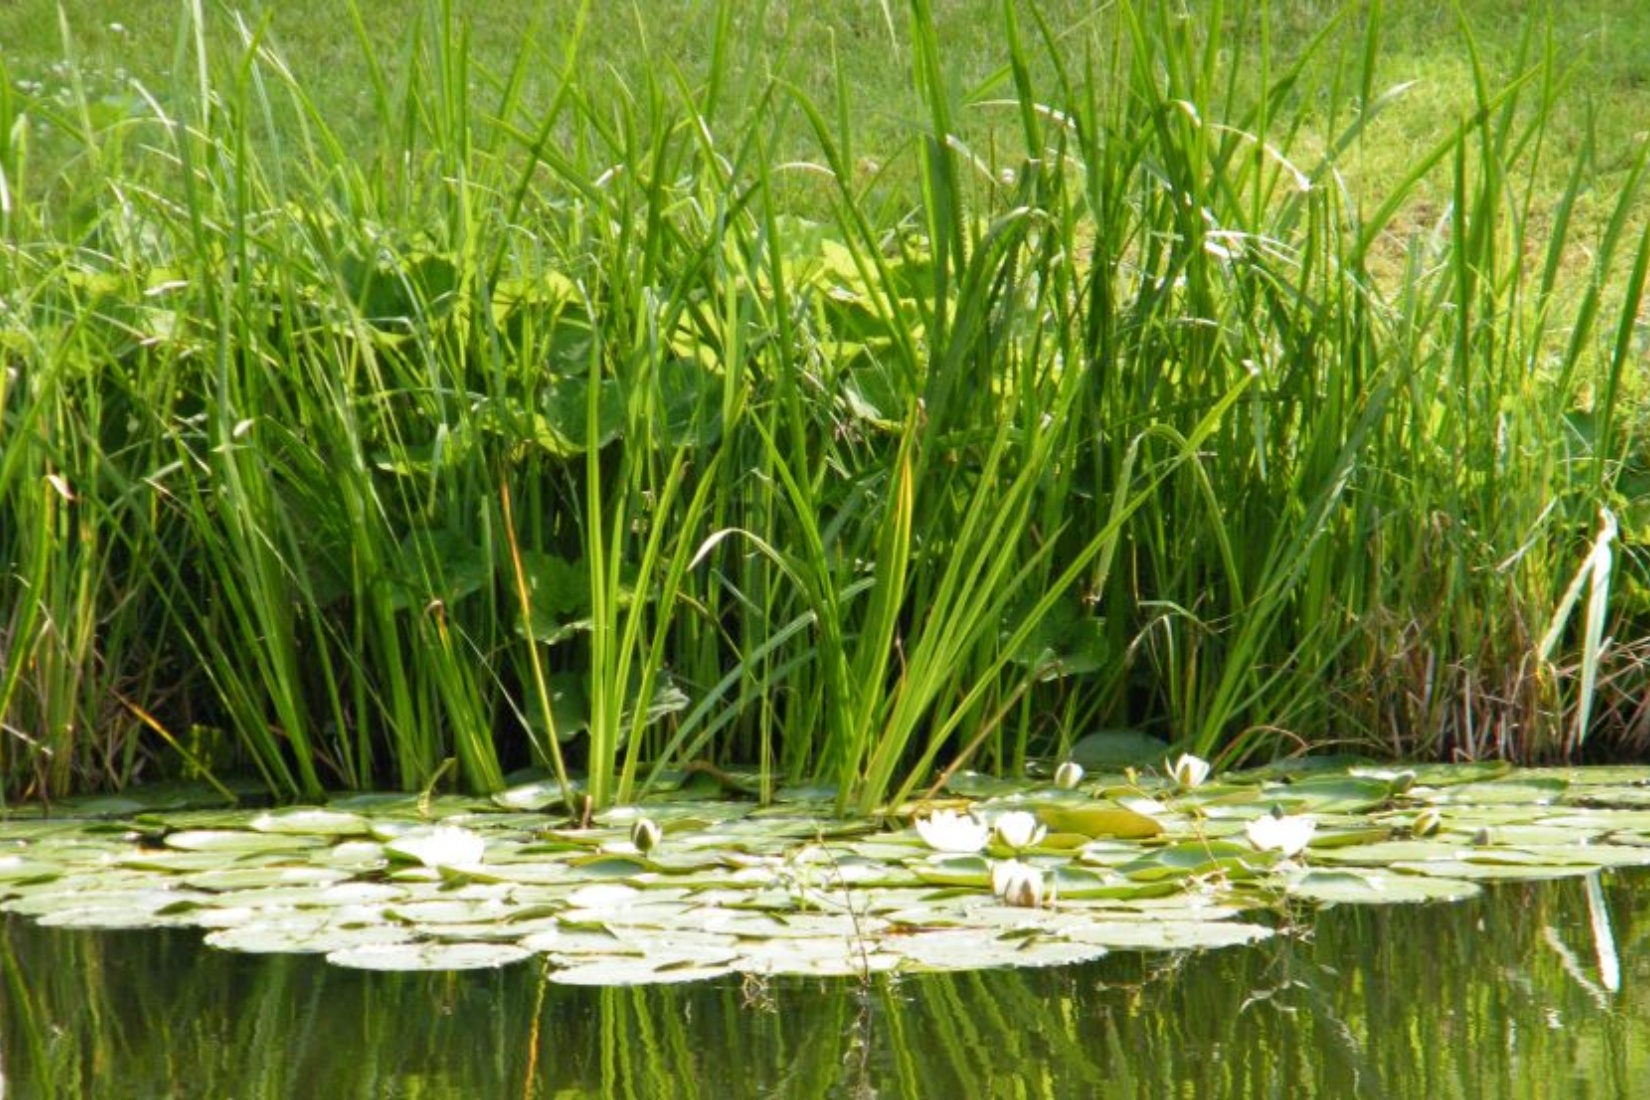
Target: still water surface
[{"x": 1503, "y": 996}]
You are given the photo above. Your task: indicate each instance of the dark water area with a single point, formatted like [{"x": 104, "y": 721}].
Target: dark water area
[{"x": 1508, "y": 995}]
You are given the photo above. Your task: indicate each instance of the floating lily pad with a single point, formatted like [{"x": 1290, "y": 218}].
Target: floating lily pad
[
  {"x": 974, "y": 949},
  {"x": 298, "y": 936},
  {"x": 238, "y": 841},
  {"x": 1167, "y": 935},
  {"x": 1114, "y": 750},
  {"x": 1098, "y": 820},
  {"x": 403, "y": 882},
  {"x": 310, "y": 821},
  {"x": 428, "y": 956},
  {"x": 1377, "y": 888},
  {"x": 645, "y": 970}
]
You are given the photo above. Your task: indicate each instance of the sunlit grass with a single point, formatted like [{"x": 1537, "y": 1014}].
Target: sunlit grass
[{"x": 852, "y": 413}]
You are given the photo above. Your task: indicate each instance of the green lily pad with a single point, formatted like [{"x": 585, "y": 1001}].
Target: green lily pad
[
  {"x": 1191, "y": 858},
  {"x": 976, "y": 948},
  {"x": 428, "y": 956},
  {"x": 1099, "y": 819},
  {"x": 1514, "y": 790},
  {"x": 1114, "y": 750},
  {"x": 238, "y": 841},
  {"x": 310, "y": 821},
  {"x": 662, "y": 969},
  {"x": 299, "y": 935},
  {"x": 1167, "y": 935},
  {"x": 1323, "y": 794},
  {"x": 249, "y": 878},
  {"x": 1377, "y": 888},
  {"x": 955, "y": 871}
]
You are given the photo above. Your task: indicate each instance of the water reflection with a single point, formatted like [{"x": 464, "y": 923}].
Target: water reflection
[{"x": 1499, "y": 997}]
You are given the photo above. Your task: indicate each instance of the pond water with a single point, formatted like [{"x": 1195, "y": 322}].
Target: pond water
[{"x": 1508, "y": 994}]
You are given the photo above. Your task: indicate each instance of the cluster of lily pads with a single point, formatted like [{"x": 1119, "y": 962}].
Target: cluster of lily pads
[{"x": 992, "y": 872}]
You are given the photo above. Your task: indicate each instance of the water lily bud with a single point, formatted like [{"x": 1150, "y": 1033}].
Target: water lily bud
[
  {"x": 1189, "y": 771},
  {"x": 1403, "y": 781},
  {"x": 645, "y": 834},
  {"x": 1018, "y": 829},
  {"x": 1068, "y": 775},
  {"x": 1017, "y": 883},
  {"x": 1427, "y": 822}
]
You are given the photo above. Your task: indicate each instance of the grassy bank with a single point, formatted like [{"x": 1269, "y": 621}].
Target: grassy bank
[{"x": 551, "y": 408}]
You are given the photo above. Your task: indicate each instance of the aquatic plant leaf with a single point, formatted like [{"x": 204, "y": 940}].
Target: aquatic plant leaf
[
  {"x": 1073, "y": 882},
  {"x": 955, "y": 871},
  {"x": 536, "y": 795},
  {"x": 1196, "y": 858},
  {"x": 1376, "y": 888},
  {"x": 17, "y": 868},
  {"x": 1329, "y": 794},
  {"x": 266, "y": 875},
  {"x": 298, "y": 936},
  {"x": 238, "y": 841},
  {"x": 979, "y": 948},
  {"x": 1099, "y": 819},
  {"x": 1384, "y": 852},
  {"x": 1540, "y": 792},
  {"x": 1167, "y": 934},
  {"x": 1114, "y": 750},
  {"x": 428, "y": 956},
  {"x": 310, "y": 821},
  {"x": 661, "y": 969}
]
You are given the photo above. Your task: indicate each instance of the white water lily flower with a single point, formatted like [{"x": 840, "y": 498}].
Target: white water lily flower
[
  {"x": 441, "y": 846},
  {"x": 1018, "y": 829},
  {"x": 950, "y": 831},
  {"x": 1189, "y": 771},
  {"x": 1068, "y": 775},
  {"x": 1017, "y": 883},
  {"x": 1288, "y": 834}
]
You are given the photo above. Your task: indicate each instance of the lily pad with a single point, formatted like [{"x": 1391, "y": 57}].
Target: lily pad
[
  {"x": 1377, "y": 888},
  {"x": 973, "y": 949},
  {"x": 1098, "y": 820},
  {"x": 428, "y": 956},
  {"x": 1114, "y": 750},
  {"x": 310, "y": 821},
  {"x": 667, "y": 969},
  {"x": 238, "y": 841}
]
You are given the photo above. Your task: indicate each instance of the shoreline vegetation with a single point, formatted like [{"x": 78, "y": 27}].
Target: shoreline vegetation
[{"x": 545, "y": 413}]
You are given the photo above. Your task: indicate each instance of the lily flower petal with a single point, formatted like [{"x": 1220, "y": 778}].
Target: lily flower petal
[
  {"x": 1189, "y": 771},
  {"x": 950, "y": 831},
  {"x": 1017, "y": 883},
  {"x": 1019, "y": 829},
  {"x": 1286, "y": 834}
]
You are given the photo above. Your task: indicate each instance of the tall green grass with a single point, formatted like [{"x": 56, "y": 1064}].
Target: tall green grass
[{"x": 545, "y": 431}]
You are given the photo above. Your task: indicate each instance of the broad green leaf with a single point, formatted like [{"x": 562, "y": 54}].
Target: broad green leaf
[{"x": 1099, "y": 819}]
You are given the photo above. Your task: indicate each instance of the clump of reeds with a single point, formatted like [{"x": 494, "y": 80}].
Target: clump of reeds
[{"x": 551, "y": 433}]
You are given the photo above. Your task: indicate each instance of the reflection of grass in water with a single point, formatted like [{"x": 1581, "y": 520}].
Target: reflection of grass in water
[{"x": 1454, "y": 1001}]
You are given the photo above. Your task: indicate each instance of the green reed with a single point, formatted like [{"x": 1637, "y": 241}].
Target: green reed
[{"x": 566, "y": 419}]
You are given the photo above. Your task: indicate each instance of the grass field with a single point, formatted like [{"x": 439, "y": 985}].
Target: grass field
[{"x": 849, "y": 397}]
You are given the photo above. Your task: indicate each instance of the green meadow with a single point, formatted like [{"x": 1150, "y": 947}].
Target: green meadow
[{"x": 838, "y": 395}]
